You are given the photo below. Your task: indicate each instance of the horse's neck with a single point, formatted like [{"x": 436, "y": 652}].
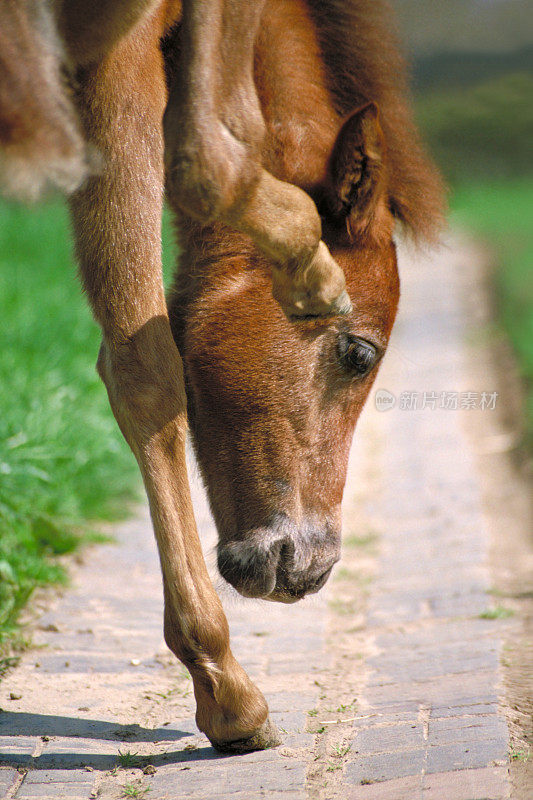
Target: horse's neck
[{"x": 292, "y": 84}]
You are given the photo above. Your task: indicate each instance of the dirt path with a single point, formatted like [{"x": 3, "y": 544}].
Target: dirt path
[{"x": 387, "y": 685}]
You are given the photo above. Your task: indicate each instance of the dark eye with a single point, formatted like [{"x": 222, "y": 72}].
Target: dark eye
[{"x": 357, "y": 355}]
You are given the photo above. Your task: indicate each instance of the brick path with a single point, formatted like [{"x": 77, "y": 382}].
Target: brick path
[
  {"x": 100, "y": 682},
  {"x": 434, "y": 730}
]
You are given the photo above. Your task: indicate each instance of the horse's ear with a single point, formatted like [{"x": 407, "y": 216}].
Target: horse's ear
[{"x": 357, "y": 178}]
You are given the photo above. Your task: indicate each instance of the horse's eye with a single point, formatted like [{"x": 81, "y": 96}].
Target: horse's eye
[{"x": 357, "y": 355}]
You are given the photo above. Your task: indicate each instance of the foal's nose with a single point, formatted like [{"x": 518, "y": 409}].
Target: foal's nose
[{"x": 283, "y": 562}]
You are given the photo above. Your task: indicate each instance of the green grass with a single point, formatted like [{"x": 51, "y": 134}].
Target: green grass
[
  {"x": 480, "y": 136},
  {"x": 128, "y": 760},
  {"x": 63, "y": 463},
  {"x": 501, "y": 213},
  {"x": 135, "y": 790},
  {"x": 498, "y": 612},
  {"x": 480, "y": 132},
  {"x": 519, "y": 755}
]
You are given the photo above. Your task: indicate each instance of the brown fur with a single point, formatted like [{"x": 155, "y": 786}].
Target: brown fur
[
  {"x": 259, "y": 108},
  {"x": 40, "y": 138},
  {"x": 365, "y": 64}
]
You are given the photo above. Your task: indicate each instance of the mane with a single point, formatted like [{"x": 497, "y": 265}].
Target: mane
[{"x": 364, "y": 63}]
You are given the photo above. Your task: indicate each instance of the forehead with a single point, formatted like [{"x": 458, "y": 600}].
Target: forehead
[
  {"x": 372, "y": 282},
  {"x": 234, "y": 296}
]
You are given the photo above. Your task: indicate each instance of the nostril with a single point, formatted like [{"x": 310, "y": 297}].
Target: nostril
[
  {"x": 282, "y": 564},
  {"x": 296, "y": 582},
  {"x": 320, "y": 581},
  {"x": 286, "y": 557},
  {"x": 250, "y": 566}
]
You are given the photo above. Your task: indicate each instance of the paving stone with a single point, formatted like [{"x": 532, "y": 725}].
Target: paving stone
[
  {"x": 7, "y": 778},
  {"x": 467, "y": 729},
  {"x": 473, "y": 784},
  {"x": 69, "y": 753},
  {"x": 256, "y": 757},
  {"x": 291, "y": 701},
  {"x": 449, "y": 757},
  {"x": 57, "y": 664},
  {"x": 386, "y": 766},
  {"x": 298, "y": 741},
  {"x": 471, "y": 709},
  {"x": 293, "y": 665},
  {"x": 16, "y": 750},
  {"x": 297, "y": 795},
  {"x": 57, "y": 791},
  {"x": 302, "y": 645},
  {"x": 448, "y": 688},
  {"x": 187, "y": 727},
  {"x": 431, "y": 661},
  {"x": 409, "y": 788},
  {"x": 48, "y": 776},
  {"x": 291, "y": 721},
  {"x": 282, "y": 775},
  {"x": 56, "y": 784},
  {"x": 403, "y": 736}
]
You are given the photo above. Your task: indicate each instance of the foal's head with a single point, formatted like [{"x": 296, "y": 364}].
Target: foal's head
[{"x": 273, "y": 401}]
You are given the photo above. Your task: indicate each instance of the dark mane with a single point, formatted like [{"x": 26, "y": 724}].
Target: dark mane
[{"x": 364, "y": 63}]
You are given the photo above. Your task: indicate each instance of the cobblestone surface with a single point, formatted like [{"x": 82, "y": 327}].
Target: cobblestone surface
[
  {"x": 432, "y": 692},
  {"x": 100, "y": 691}
]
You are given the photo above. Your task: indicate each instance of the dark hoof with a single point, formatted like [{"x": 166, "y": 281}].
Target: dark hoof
[
  {"x": 266, "y": 737},
  {"x": 340, "y": 306}
]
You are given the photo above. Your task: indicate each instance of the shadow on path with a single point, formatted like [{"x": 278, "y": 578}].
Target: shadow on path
[
  {"x": 13, "y": 723},
  {"x": 67, "y": 753}
]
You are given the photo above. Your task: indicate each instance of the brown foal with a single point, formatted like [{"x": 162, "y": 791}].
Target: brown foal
[{"x": 281, "y": 132}]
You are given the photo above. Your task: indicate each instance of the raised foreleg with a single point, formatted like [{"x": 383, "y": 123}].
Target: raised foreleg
[
  {"x": 90, "y": 30},
  {"x": 117, "y": 219},
  {"x": 214, "y": 131}
]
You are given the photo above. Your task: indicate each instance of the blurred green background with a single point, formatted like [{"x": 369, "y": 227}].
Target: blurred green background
[
  {"x": 63, "y": 463},
  {"x": 472, "y": 70}
]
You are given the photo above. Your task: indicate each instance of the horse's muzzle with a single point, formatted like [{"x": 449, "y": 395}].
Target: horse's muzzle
[{"x": 280, "y": 563}]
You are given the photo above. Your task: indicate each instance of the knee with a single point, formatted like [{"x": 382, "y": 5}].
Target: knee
[
  {"x": 145, "y": 393},
  {"x": 210, "y": 175}
]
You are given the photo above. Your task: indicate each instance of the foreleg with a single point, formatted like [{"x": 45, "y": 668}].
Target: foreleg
[
  {"x": 214, "y": 130},
  {"x": 117, "y": 219}
]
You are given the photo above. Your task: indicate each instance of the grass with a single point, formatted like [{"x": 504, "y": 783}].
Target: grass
[
  {"x": 134, "y": 790},
  {"x": 519, "y": 755},
  {"x": 63, "y": 463},
  {"x": 128, "y": 760},
  {"x": 498, "y": 612},
  {"x": 501, "y": 212},
  {"x": 340, "y": 751},
  {"x": 480, "y": 136},
  {"x": 366, "y": 540},
  {"x": 479, "y": 132}
]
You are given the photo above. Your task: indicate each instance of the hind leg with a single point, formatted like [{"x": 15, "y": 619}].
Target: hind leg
[
  {"x": 117, "y": 220},
  {"x": 40, "y": 141},
  {"x": 213, "y": 133},
  {"x": 91, "y": 30}
]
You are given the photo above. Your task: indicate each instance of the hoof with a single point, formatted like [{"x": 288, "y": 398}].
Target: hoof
[
  {"x": 319, "y": 290},
  {"x": 266, "y": 737},
  {"x": 340, "y": 306}
]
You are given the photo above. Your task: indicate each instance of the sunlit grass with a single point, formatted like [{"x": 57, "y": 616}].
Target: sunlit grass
[
  {"x": 63, "y": 463},
  {"x": 502, "y": 214}
]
